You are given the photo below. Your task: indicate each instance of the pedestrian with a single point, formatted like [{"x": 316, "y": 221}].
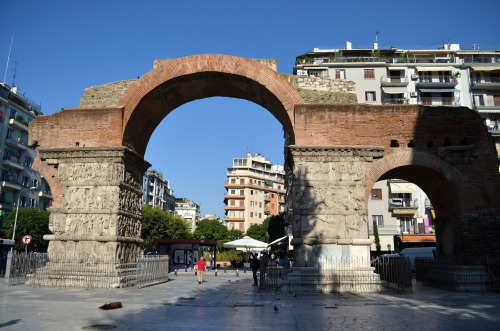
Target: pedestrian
[
  {"x": 255, "y": 265},
  {"x": 200, "y": 269}
]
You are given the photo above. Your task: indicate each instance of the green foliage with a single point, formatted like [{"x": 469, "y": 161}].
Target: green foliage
[
  {"x": 230, "y": 255},
  {"x": 159, "y": 224},
  {"x": 31, "y": 221},
  {"x": 377, "y": 238},
  {"x": 258, "y": 231},
  {"x": 156, "y": 172},
  {"x": 210, "y": 229},
  {"x": 276, "y": 228}
]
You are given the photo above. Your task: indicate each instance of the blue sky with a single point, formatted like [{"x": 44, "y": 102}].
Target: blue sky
[{"x": 62, "y": 47}]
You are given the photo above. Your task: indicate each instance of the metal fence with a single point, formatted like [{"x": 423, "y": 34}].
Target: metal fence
[
  {"x": 89, "y": 271},
  {"x": 337, "y": 275},
  {"x": 461, "y": 274}
]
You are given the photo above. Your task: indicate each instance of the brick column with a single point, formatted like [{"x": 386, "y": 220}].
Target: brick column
[
  {"x": 328, "y": 201},
  {"x": 96, "y": 229}
]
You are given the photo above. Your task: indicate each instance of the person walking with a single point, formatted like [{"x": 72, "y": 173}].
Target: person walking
[
  {"x": 200, "y": 269},
  {"x": 255, "y": 265}
]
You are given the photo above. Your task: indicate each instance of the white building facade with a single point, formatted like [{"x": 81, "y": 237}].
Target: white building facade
[
  {"x": 156, "y": 192},
  {"x": 189, "y": 211}
]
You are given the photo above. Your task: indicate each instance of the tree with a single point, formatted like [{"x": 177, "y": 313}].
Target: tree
[
  {"x": 30, "y": 221},
  {"x": 159, "y": 224},
  {"x": 210, "y": 229},
  {"x": 377, "y": 239},
  {"x": 159, "y": 174},
  {"x": 276, "y": 227},
  {"x": 258, "y": 231}
]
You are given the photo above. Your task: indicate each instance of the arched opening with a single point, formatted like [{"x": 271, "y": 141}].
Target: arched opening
[{"x": 415, "y": 201}]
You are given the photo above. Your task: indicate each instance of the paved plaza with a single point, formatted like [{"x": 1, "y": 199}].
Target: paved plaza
[{"x": 228, "y": 302}]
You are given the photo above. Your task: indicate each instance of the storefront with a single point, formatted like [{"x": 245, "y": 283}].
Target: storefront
[{"x": 184, "y": 253}]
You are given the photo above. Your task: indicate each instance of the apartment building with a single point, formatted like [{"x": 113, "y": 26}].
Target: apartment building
[
  {"x": 189, "y": 210},
  {"x": 255, "y": 190},
  {"x": 156, "y": 192},
  {"x": 19, "y": 183},
  {"x": 447, "y": 76},
  {"x": 399, "y": 208}
]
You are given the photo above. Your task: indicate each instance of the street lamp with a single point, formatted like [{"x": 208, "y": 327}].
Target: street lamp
[{"x": 17, "y": 212}]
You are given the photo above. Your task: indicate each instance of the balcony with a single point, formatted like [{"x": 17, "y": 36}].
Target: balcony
[
  {"x": 18, "y": 125},
  {"x": 394, "y": 101},
  {"x": 16, "y": 143},
  {"x": 486, "y": 84},
  {"x": 45, "y": 194},
  {"x": 438, "y": 101},
  {"x": 6, "y": 205},
  {"x": 487, "y": 109},
  {"x": 11, "y": 185},
  {"x": 13, "y": 164},
  {"x": 394, "y": 81},
  {"x": 437, "y": 82}
]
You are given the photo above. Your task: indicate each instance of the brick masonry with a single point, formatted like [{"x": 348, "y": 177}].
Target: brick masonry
[{"x": 444, "y": 150}]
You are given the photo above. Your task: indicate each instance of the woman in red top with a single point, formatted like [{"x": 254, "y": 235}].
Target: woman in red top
[{"x": 200, "y": 266}]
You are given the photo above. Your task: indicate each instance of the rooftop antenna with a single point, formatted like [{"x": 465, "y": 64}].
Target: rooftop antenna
[
  {"x": 15, "y": 73},
  {"x": 8, "y": 59},
  {"x": 376, "y": 37}
]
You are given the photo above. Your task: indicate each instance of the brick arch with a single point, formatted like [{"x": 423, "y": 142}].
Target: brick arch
[
  {"x": 182, "y": 80},
  {"x": 444, "y": 184}
]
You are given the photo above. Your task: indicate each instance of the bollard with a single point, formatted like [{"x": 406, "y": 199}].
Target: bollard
[
  {"x": 224, "y": 269},
  {"x": 244, "y": 270},
  {"x": 237, "y": 273},
  {"x": 215, "y": 272},
  {"x": 175, "y": 272},
  {"x": 185, "y": 269}
]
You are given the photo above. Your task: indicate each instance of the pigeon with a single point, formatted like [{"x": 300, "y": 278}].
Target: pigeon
[{"x": 275, "y": 309}]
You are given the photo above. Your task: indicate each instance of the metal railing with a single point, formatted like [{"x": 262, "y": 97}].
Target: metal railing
[
  {"x": 86, "y": 270},
  {"x": 336, "y": 275},
  {"x": 459, "y": 274}
]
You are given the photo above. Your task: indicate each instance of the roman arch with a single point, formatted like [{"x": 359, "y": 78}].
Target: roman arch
[{"x": 92, "y": 157}]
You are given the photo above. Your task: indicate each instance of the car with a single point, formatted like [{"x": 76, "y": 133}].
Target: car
[{"x": 418, "y": 252}]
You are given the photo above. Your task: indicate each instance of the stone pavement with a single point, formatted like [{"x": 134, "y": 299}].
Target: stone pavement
[{"x": 227, "y": 302}]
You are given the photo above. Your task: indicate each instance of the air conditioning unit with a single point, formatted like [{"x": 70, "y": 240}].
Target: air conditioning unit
[
  {"x": 414, "y": 76},
  {"x": 413, "y": 94}
]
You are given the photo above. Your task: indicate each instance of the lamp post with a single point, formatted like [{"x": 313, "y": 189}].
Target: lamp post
[
  {"x": 10, "y": 254},
  {"x": 17, "y": 212}
]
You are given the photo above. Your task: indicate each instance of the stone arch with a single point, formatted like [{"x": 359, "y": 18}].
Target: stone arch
[{"x": 173, "y": 83}]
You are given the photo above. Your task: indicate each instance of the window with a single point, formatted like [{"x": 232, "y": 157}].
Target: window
[
  {"x": 379, "y": 219},
  {"x": 339, "y": 74},
  {"x": 23, "y": 201},
  {"x": 376, "y": 194},
  {"x": 251, "y": 214},
  {"x": 32, "y": 203},
  {"x": 242, "y": 203},
  {"x": 25, "y": 181},
  {"x": 233, "y": 192},
  {"x": 239, "y": 162},
  {"x": 231, "y": 214},
  {"x": 232, "y": 202},
  {"x": 260, "y": 204},
  {"x": 13, "y": 114},
  {"x": 233, "y": 181},
  {"x": 405, "y": 224},
  {"x": 242, "y": 192},
  {"x": 251, "y": 192},
  {"x": 242, "y": 181},
  {"x": 370, "y": 96},
  {"x": 260, "y": 215},
  {"x": 28, "y": 161},
  {"x": 478, "y": 100},
  {"x": 35, "y": 183},
  {"x": 369, "y": 73},
  {"x": 241, "y": 227},
  {"x": 496, "y": 100},
  {"x": 242, "y": 214}
]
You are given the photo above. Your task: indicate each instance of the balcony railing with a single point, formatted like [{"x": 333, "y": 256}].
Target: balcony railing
[
  {"x": 394, "y": 101},
  {"x": 18, "y": 125},
  {"x": 438, "y": 101},
  {"x": 403, "y": 203},
  {"x": 16, "y": 143},
  {"x": 394, "y": 81}
]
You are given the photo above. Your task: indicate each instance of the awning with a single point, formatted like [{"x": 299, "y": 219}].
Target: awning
[
  {"x": 277, "y": 241},
  {"x": 403, "y": 187},
  {"x": 417, "y": 238},
  {"x": 404, "y": 211},
  {"x": 396, "y": 68},
  {"x": 481, "y": 68},
  {"x": 316, "y": 68},
  {"x": 435, "y": 68},
  {"x": 436, "y": 90},
  {"x": 394, "y": 90},
  {"x": 489, "y": 111}
]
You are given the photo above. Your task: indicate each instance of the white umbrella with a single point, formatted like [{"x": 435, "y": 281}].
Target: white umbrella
[{"x": 245, "y": 243}]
